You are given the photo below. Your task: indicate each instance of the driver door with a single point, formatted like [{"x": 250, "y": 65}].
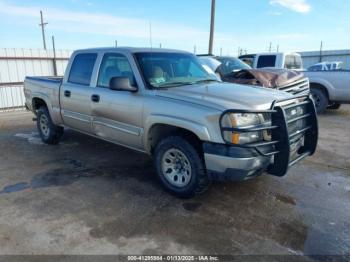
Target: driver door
[{"x": 117, "y": 115}]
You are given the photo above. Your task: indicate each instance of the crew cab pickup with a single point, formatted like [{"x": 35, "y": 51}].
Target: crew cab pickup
[{"x": 164, "y": 103}]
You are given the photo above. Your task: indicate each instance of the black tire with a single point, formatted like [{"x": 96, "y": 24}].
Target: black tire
[
  {"x": 334, "y": 106},
  {"x": 320, "y": 99},
  {"x": 198, "y": 182},
  {"x": 51, "y": 134}
]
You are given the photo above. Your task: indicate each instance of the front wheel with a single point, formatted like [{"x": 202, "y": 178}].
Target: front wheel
[
  {"x": 48, "y": 131},
  {"x": 320, "y": 99},
  {"x": 180, "y": 167}
]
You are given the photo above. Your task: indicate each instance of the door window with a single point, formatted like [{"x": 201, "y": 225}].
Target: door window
[
  {"x": 81, "y": 70},
  {"x": 114, "y": 65}
]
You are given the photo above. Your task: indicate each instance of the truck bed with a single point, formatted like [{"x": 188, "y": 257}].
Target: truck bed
[
  {"x": 44, "y": 79},
  {"x": 42, "y": 86}
]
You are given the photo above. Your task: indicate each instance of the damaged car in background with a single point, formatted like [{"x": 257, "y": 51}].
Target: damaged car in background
[
  {"x": 329, "y": 88},
  {"x": 233, "y": 70}
]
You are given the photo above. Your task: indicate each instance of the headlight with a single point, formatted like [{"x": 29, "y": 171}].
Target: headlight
[{"x": 241, "y": 120}]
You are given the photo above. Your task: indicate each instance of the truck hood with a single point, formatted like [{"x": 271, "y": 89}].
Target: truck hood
[{"x": 224, "y": 96}]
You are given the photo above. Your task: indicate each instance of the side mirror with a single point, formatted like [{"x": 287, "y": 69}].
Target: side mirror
[{"x": 121, "y": 84}]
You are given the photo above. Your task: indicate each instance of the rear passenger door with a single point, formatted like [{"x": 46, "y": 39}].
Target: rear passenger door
[{"x": 75, "y": 95}]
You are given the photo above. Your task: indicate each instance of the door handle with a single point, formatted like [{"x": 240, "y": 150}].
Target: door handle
[
  {"x": 67, "y": 93},
  {"x": 95, "y": 98}
]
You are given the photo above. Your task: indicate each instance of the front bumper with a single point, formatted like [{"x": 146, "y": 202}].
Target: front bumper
[
  {"x": 293, "y": 137},
  {"x": 227, "y": 163}
]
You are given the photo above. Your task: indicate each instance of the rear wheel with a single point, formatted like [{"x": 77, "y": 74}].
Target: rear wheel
[
  {"x": 180, "y": 167},
  {"x": 49, "y": 132},
  {"x": 320, "y": 99}
]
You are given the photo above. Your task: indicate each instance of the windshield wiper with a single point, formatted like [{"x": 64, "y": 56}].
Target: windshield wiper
[
  {"x": 171, "y": 84},
  {"x": 206, "y": 81}
]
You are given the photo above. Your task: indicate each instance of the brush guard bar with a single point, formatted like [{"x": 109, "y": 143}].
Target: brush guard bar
[{"x": 279, "y": 148}]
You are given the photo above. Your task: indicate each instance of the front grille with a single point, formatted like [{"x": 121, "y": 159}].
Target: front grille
[
  {"x": 298, "y": 125},
  {"x": 299, "y": 87}
]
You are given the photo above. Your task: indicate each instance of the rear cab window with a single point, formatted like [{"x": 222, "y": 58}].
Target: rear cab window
[
  {"x": 266, "y": 61},
  {"x": 82, "y": 68}
]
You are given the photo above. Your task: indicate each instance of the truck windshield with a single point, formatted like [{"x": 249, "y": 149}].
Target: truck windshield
[
  {"x": 231, "y": 64},
  {"x": 164, "y": 70}
]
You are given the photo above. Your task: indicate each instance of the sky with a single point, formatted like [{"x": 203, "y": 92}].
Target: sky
[{"x": 291, "y": 25}]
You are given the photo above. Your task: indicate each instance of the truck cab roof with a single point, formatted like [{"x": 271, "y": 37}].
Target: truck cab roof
[{"x": 130, "y": 50}]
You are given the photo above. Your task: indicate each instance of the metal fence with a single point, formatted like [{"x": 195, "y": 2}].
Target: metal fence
[
  {"x": 17, "y": 63},
  {"x": 314, "y": 57}
]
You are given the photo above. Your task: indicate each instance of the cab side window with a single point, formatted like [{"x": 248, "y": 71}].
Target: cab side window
[
  {"x": 81, "y": 69},
  {"x": 114, "y": 65}
]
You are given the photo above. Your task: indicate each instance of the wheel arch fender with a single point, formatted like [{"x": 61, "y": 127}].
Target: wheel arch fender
[
  {"x": 322, "y": 84},
  {"x": 200, "y": 131},
  {"x": 38, "y": 96}
]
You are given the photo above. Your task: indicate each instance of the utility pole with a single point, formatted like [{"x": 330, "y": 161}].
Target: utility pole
[
  {"x": 116, "y": 43},
  {"x": 54, "y": 56},
  {"x": 278, "y": 48},
  {"x": 270, "y": 48},
  {"x": 321, "y": 47},
  {"x": 212, "y": 27},
  {"x": 150, "y": 34},
  {"x": 195, "y": 49},
  {"x": 42, "y": 24},
  {"x": 221, "y": 51}
]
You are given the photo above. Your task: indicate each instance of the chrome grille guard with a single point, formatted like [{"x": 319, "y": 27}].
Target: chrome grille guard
[{"x": 281, "y": 139}]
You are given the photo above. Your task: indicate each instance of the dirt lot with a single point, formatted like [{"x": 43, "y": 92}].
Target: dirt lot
[{"x": 86, "y": 196}]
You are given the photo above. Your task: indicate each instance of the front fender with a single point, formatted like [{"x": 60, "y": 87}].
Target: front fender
[
  {"x": 198, "y": 129},
  {"x": 323, "y": 82}
]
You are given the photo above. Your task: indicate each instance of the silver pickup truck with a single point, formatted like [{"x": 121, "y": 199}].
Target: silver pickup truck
[
  {"x": 164, "y": 103},
  {"x": 329, "y": 89}
]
